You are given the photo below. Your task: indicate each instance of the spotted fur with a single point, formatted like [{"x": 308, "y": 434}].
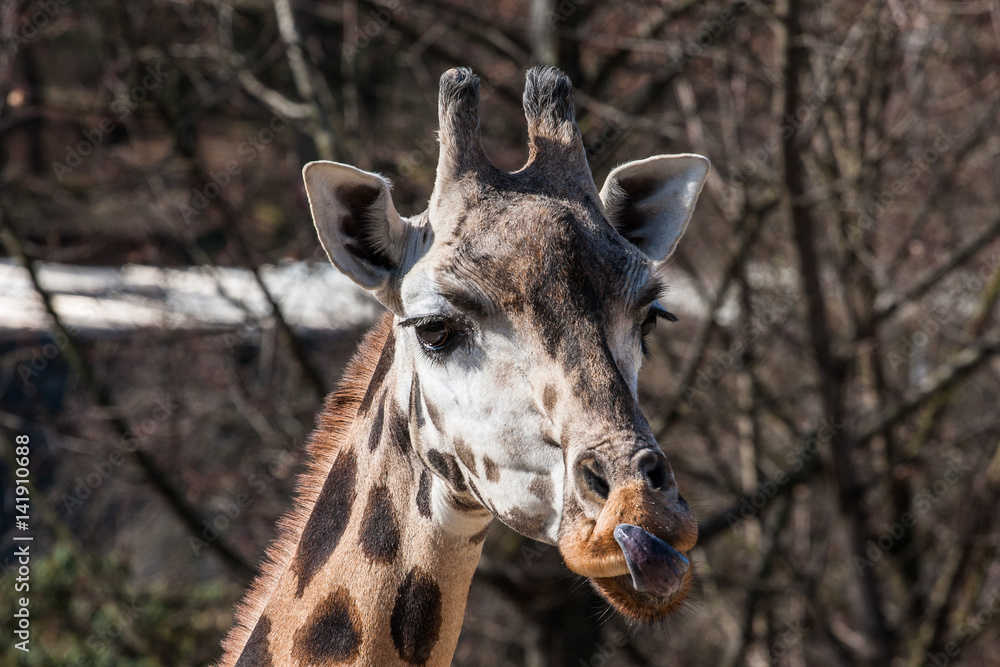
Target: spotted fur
[
  {"x": 380, "y": 527},
  {"x": 328, "y": 521},
  {"x": 327, "y": 440},
  {"x": 332, "y": 634},
  {"x": 258, "y": 652},
  {"x": 416, "y": 617}
]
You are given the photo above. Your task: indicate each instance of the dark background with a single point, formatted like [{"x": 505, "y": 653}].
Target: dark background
[{"x": 828, "y": 399}]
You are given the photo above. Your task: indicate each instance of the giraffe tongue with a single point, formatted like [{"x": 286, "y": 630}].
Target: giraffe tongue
[{"x": 656, "y": 567}]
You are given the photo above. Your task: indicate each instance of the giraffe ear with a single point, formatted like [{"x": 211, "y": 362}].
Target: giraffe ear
[
  {"x": 357, "y": 225},
  {"x": 651, "y": 201}
]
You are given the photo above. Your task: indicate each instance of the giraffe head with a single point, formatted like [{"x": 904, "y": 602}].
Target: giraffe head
[{"x": 521, "y": 302}]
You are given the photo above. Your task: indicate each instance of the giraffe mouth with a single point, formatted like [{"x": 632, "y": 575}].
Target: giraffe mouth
[
  {"x": 640, "y": 574},
  {"x": 656, "y": 567},
  {"x": 634, "y": 552}
]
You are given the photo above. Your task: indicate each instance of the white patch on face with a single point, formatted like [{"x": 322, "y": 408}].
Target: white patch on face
[
  {"x": 419, "y": 294},
  {"x": 483, "y": 398},
  {"x": 530, "y": 504},
  {"x": 624, "y": 339},
  {"x": 451, "y": 518}
]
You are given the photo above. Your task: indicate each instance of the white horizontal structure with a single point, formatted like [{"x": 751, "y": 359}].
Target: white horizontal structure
[
  {"x": 312, "y": 297},
  {"x": 107, "y": 299}
]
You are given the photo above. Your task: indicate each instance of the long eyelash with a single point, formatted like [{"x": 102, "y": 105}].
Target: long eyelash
[
  {"x": 430, "y": 319},
  {"x": 660, "y": 313},
  {"x": 644, "y": 346},
  {"x": 665, "y": 315},
  {"x": 417, "y": 321}
]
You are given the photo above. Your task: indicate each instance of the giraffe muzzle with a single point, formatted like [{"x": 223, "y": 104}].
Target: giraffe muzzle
[{"x": 629, "y": 530}]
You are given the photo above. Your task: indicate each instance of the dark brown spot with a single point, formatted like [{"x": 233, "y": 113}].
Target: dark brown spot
[
  {"x": 416, "y": 617},
  {"x": 492, "y": 469},
  {"x": 424, "y": 494},
  {"x": 328, "y": 520},
  {"x": 447, "y": 467},
  {"x": 463, "y": 504},
  {"x": 529, "y": 526},
  {"x": 549, "y": 397},
  {"x": 480, "y": 537},
  {"x": 398, "y": 429},
  {"x": 375, "y": 435},
  {"x": 466, "y": 456},
  {"x": 541, "y": 487},
  {"x": 331, "y": 634},
  {"x": 475, "y": 492},
  {"x": 416, "y": 414},
  {"x": 257, "y": 652},
  {"x": 435, "y": 416},
  {"x": 379, "y": 528},
  {"x": 378, "y": 375}
]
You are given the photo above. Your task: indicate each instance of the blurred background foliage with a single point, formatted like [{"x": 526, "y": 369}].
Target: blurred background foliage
[{"x": 828, "y": 400}]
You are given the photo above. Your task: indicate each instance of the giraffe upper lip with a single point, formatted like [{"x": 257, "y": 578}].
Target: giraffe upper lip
[{"x": 655, "y": 566}]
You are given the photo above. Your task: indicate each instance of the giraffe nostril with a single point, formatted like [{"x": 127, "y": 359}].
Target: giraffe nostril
[
  {"x": 593, "y": 476},
  {"x": 654, "y": 469}
]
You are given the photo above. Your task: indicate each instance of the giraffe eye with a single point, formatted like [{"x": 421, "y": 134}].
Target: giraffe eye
[
  {"x": 648, "y": 325},
  {"x": 436, "y": 335}
]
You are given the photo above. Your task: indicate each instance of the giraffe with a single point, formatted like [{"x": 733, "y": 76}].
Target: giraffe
[{"x": 500, "y": 383}]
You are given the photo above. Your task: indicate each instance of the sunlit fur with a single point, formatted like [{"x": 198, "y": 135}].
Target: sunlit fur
[
  {"x": 334, "y": 421},
  {"x": 530, "y": 416}
]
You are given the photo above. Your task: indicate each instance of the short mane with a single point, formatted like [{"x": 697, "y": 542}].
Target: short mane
[{"x": 332, "y": 425}]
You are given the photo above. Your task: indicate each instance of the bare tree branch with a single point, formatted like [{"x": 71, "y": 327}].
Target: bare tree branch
[{"x": 157, "y": 478}]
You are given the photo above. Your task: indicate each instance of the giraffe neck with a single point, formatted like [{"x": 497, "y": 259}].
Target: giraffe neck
[{"x": 377, "y": 560}]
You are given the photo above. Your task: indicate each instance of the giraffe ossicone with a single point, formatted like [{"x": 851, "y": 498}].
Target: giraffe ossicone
[{"x": 501, "y": 383}]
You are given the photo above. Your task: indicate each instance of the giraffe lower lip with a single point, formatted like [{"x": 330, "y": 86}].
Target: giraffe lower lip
[
  {"x": 612, "y": 566},
  {"x": 655, "y": 566}
]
